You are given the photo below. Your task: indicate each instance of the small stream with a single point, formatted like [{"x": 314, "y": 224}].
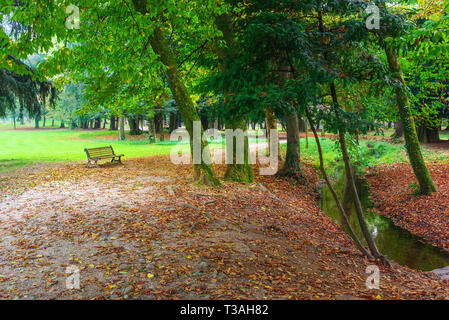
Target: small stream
[{"x": 396, "y": 243}]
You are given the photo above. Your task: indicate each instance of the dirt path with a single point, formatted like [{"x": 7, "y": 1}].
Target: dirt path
[{"x": 145, "y": 231}]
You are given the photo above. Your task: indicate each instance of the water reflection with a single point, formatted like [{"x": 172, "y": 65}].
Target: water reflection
[{"x": 396, "y": 243}]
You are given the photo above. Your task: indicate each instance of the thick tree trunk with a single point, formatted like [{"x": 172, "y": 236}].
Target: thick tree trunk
[
  {"x": 411, "y": 138},
  {"x": 236, "y": 172},
  {"x": 398, "y": 130},
  {"x": 121, "y": 135},
  {"x": 292, "y": 165},
  {"x": 62, "y": 126},
  {"x": 134, "y": 129},
  {"x": 113, "y": 123},
  {"x": 97, "y": 123},
  {"x": 173, "y": 122},
  {"x": 180, "y": 94},
  {"x": 428, "y": 135},
  {"x": 151, "y": 127},
  {"x": 240, "y": 172},
  {"x": 36, "y": 122}
]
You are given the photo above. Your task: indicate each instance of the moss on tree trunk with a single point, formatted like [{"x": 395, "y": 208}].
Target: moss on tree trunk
[
  {"x": 202, "y": 171},
  {"x": 292, "y": 165},
  {"x": 183, "y": 101},
  {"x": 240, "y": 172},
  {"x": 410, "y": 136}
]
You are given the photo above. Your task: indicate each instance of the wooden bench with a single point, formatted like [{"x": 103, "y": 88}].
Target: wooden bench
[{"x": 95, "y": 154}]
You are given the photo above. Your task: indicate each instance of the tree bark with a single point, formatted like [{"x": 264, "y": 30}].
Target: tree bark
[
  {"x": 121, "y": 135},
  {"x": 151, "y": 127},
  {"x": 398, "y": 130},
  {"x": 343, "y": 214},
  {"x": 271, "y": 123},
  {"x": 236, "y": 172},
  {"x": 292, "y": 165},
  {"x": 240, "y": 172},
  {"x": 428, "y": 135},
  {"x": 180, "y": 94},
  {"x": 350, "y": 180},
  {"x": 113, "y": 123},
  {"x": 36, "y": 121},
  {"x": 412, "y": 145}
]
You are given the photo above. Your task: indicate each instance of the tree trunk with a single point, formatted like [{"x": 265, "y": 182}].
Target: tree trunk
[
  {"x": 428, "y": 135},
  {"x": 113, "y": 123},
  {"x": 36, "y": 121},
  {"x": 350, "y": 179},
  {"x": 292, "y": 165},
  {"x": 343, "y": 214},
  {"x": 97, "y": 124},
  {"x": 62, "y": 126},
  {"x": 133, "y": 122},
  {"x": 161, "y": 129},
  {"x": 411, "y": 138},
  {"x": 301, "y": 125},
  {"x": 121, "y": 135},
  {"x": 151, "y": 127},
  {"x": 180, "y": 94},
  {"x": 44, "y": 122},
  {"x": 240, "y": 172},
  {"x": 174, "y": 121},
  {"x": 398, "y": 130},
  {"x": 272, "y": 124}
]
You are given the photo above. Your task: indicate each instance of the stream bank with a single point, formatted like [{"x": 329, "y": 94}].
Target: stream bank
[{"x": 394, "y": 242}]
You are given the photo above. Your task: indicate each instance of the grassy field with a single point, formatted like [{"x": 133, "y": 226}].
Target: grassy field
[
  {"x": 27, "y": 146},
  {"x": 22, "y": 147}
]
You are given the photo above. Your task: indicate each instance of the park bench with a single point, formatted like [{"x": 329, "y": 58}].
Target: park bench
[{"x": 95, "y": 154}]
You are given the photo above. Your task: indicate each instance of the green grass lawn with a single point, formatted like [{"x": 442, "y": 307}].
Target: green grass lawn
[{"x": 22, "y": 147}]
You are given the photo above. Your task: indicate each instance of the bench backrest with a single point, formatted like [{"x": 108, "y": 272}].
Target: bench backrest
[{"x": 99, "y": 152}]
